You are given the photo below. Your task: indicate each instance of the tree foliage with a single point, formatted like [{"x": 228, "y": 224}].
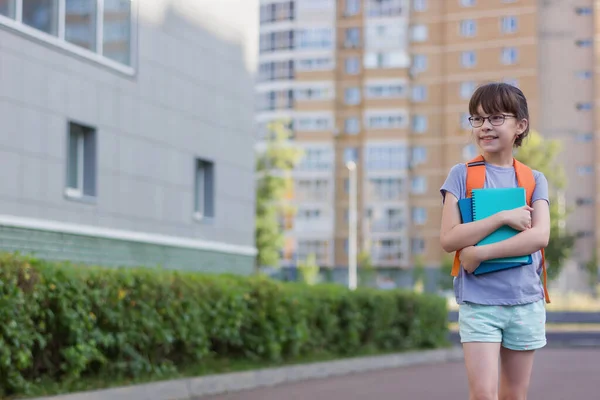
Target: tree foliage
[
  {"x": 274, "y": 165},
  {"x": 541, "y": 154}
]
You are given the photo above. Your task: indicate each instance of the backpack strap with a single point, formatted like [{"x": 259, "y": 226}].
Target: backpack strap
[{"x": 476, "y": 179}]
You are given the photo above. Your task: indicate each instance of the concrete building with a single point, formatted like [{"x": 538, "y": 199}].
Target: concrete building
[
  {"x": 386, "y": 83},
  {"x": 127, "y": 131}
]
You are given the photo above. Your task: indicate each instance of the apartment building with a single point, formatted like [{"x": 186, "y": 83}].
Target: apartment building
[
  {"x": 386, "y": 83},
  {"x": 127, "y": 132}
]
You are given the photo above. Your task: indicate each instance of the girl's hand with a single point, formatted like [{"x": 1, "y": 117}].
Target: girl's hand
[
  {"x": 470, "y": 258},
  {"x": 518, "y": 218}
]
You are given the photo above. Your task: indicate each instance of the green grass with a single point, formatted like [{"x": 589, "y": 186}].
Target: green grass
[{"x": 211, "y": 366}]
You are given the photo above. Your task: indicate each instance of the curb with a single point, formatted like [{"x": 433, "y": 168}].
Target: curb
[{"x": 192, "y": 388}]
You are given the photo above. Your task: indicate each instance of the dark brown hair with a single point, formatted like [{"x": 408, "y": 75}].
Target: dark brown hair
[{"x": 497, "y": 97}]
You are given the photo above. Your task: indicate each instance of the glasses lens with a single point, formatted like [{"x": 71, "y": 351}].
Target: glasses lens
[
  {"x": 497, "y": 119},
  {"x": 476, "y": 122}
]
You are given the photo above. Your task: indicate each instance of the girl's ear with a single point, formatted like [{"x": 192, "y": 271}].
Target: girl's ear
[{"x": 522, "y": 126}]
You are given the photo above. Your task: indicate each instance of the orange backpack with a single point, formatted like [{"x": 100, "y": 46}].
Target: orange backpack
[{"x": 476, "y": 180}]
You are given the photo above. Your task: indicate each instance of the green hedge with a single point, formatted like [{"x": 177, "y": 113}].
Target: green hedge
[{"x": 62, "y": 322}]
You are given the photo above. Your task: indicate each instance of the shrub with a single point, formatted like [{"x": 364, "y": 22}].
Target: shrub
[{"x": 63, "y": 322}]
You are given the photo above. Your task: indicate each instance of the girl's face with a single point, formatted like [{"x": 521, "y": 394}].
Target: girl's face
[{"x": 496, "y": 132}]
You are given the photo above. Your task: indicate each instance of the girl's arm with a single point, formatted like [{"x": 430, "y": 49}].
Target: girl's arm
[
  {"x": 456, "y": 236},
  {"x": 526, "y": 242}
]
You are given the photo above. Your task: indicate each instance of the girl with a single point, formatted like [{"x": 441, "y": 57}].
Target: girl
[{"x": 501, "y": 314}]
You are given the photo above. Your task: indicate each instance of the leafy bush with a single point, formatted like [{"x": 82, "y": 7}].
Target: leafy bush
[{"x": 62, "y": 322}]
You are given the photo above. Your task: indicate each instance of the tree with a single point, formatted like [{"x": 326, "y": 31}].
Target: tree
[
  {"x": 540, "y": 154},
  {"x": 366, "y": 270},
  {"x": 309, "y": 270},
  {"x": 274, "y": 165},
  {"x": 591, "y": 268},
  {"x": 419, "y": 276},
  {"x": 445, "y": 278}
]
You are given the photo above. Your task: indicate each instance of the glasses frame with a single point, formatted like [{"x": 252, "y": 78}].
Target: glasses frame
[{"x": 504, "y": 116}]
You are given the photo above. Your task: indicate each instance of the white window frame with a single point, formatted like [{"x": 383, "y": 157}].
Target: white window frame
[
  {"x": 419, "y": 123},
  {"x": 509, "y": 24},
  {"x": 468, "y": 28},
  {"x": 419, "y": 5},
  {"x": 467, "y": 88},
  {"x": 467, "y": 3},
  {"x": 419, "y": 33},
  {"x": 468, "y": 59},
  {"x": 509, "y": 55},
  {"x": 59, "y": 41}
]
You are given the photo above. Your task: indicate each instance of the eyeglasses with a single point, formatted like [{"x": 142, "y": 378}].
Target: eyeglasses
[{"x": 495, "y": 120}]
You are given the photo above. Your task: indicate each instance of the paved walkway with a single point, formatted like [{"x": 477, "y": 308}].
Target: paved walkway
[{"x": 559, "y": 374}]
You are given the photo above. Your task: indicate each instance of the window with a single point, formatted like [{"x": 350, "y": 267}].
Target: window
[
  {"x": 315, "y": 38},
  {"x": 313, "y": 123},
  {"x": 585, "y": 170},
  {"x": 468, "y": 28},
  {"x": 385, "y": 189},
  {"x": 468, "y": 59},
  {"x": 352, "y": 7},
  {"x": 419, "y": 215},
  {"x": 419, "y": 93},
  {"x": 509, "y": 55},
  {"x": 350, "y": 154},
  {"x": 584, "y": 106},
  {"x": 583, "y": 10},
  {"x": 419, "y": 63},
  {"x": 584, "y": 42},
  {"x": 352, "y": 65},
  {"x": 584, "y": 74},
  {"x": 316, "y": 159},
  {"x": 511, "y": 81},
  {"x": 419, "y": 5},
  {"x": 419, "y": 184},
  {"x": 314, "y": 64},
  {"x": 313, "y": 93},
  {"x": 41, "y": 15},
  {"x": 393, "y": 59},
  {"x": 81, "y": 168},
  {"x": 352, "y": 38},
  {"x": 383, "y": 90},
  {"x": 467, "y": 3},
  {"x": 469, "y": 152},
  {"x": 585, "y": 201},
  {"x": 384, "y": 8},
  {"x": 386, "y": 157},
  {"x": 385, "y": 120},
  {"x": 417, "y": 245},
  {"x": 467, "y": 89},
  {"x": 418, "y": 33},
  {"x": 352, "y": 125},
  {"x": 352, "y": 96},
  {"x": 509, "y": 24},
  {"x": 418, "y": 155},
  {"x": 464, "y": 121},
  {"x": 7, "y": 8},
  {"x": 276, "y": 70},
  {"x": 584, "y": 137},
  {"x": 277, "y": 12},
  {"x": 419, "y": 123},
  {"x": 204, "y": 199},
  {"x": 76, "y": 22}
]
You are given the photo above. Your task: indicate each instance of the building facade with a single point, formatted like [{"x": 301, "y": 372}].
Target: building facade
[
  {"x": 386, "y": 83},
  {"x": 124, "y": 126}
]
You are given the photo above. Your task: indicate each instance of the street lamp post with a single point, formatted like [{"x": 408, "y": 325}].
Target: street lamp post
[{"x": 352, "y": 226}]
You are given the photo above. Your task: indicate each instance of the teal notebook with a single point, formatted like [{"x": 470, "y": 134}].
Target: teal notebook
[{"x": 487, "y": 202}]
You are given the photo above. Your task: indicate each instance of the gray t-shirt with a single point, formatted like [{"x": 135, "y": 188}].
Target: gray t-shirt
[{"x": 512, "y": 286}]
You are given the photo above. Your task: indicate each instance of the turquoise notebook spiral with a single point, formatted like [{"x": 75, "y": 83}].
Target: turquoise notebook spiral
[{"x": 487, "y": 202}]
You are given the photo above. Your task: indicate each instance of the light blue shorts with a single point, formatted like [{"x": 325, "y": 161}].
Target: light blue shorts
[{"x": 520, "y": 327}]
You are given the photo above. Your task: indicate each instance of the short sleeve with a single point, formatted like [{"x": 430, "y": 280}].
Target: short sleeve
[
  {"x": 541, "y": 187},
  {"x": 455, "y": 182}
]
